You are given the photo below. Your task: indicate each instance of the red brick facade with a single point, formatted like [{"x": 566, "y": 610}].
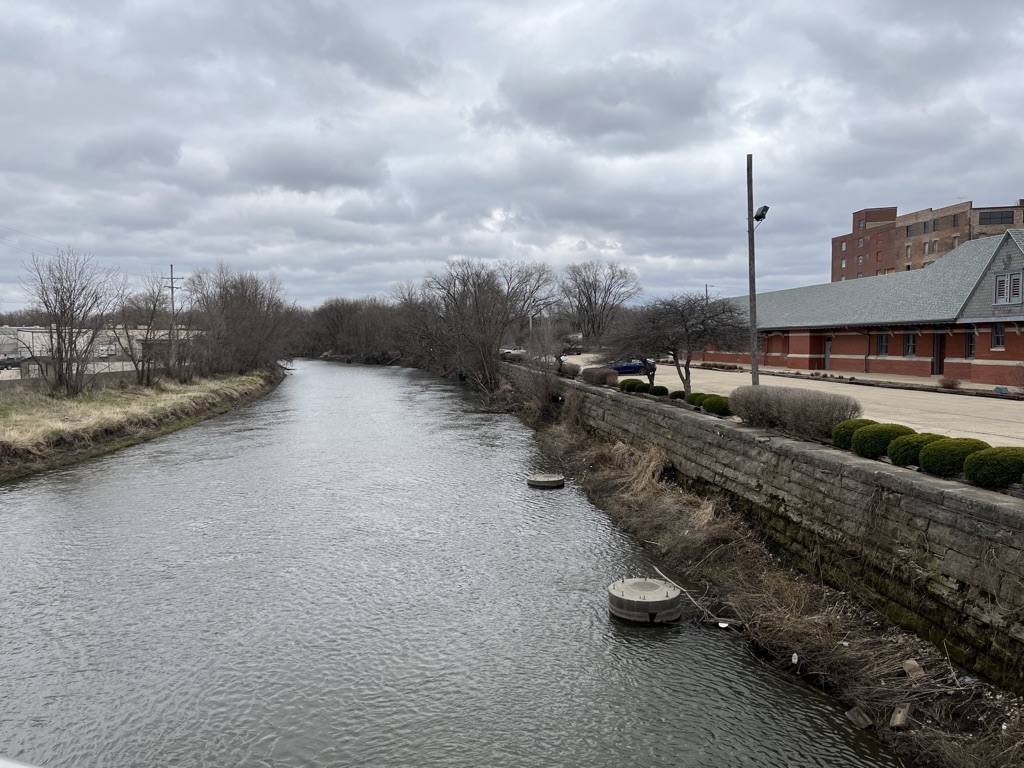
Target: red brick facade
[{"x": 919, "y": 351}]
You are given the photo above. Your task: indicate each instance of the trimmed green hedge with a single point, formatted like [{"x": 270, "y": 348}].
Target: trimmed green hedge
[
  {"x": 903, "y": 451},
  {"x": 945, "y": 458},
  {"x": 625, "y": 384},
  {"x": 658, "y": 390},
  {"x": 641, "y": 387},
  {"x": 695, "y": 398},
  {"x": 716, "y": 404},
  {"x": 842, "y": 435},
  {"x": 995, "y": 467},
  {"x": 872, "y": 441},
  {"x": 677, "y": 394}
]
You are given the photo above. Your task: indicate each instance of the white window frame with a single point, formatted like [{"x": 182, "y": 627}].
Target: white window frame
[
  {"x": 999, "y": 337},
  {"x": 1008, "y": 288}
]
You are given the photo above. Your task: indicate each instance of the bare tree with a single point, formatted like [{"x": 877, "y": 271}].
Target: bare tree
[
  {"x": 75, "y": 298},
  {"x": 362, "y": 329},
  {"x": 682, "y": 326},
  {"x": 593, "y": 293},
  {"x": 142, "y": 329},
  {"x": 234, "y": 322},
  {"x": 457, "y": 320}
]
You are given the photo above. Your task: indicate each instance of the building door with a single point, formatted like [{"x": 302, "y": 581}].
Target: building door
[
  {"x": 828, "y": 351},
  {"x": 938, "y": 353}
]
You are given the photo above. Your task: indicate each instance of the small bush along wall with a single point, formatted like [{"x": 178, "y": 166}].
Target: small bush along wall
[
  {"x": 903, "y": 451},
  {"x": 572, "y": 370},
  {"x": 716, "y": 404},
  {"x": 842, "y": 435},
  {"x": 626, "y": 385},
  {"x": 677, "y": 394},
  {"x": 659, "y": 390},
  {"x": 945, "y": 458},
  {"x": 601, "y": 377},
  {"x": 799, "y": 411},
  {"x": 695, "y": 398},
  {"x": 872, "y": 441},
  {"x": 995, "y": 467},
  {"x": 642, "y": 388}
]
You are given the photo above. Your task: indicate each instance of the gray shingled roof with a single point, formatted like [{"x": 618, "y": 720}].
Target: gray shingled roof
[{"x": 936, "y": 294}]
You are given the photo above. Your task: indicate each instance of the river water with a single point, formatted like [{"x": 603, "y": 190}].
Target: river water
[{"x": 353, "y": 572}]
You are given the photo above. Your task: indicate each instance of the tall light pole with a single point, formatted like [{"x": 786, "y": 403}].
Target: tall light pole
[{"x": 751, "y": 217}]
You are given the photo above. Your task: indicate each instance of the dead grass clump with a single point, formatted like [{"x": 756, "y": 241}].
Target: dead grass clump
[{"x": 801, "y": 412}]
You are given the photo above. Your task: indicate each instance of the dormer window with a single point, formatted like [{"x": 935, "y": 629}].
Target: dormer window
[{"x": 1007, "y": 288}]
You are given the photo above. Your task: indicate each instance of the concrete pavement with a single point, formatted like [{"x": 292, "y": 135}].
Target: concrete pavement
[{"x": 994, "y": 420}]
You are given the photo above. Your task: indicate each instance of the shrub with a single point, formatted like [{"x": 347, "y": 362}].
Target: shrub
[
  {"x": 995, "y": 467},
  {"x": 659, "y": 390},
  {"x": 903, "y": 451},
  {"x": 949, "y": 382},
  {"x": 716, "y": 404},
  {"x": 945, "y": 458},
  {"x": 631, "y": 385},
  {"x": 800, "y": 411},
  {"x": 642, "y": 387},
  {"x": 624, "y": 382},
  {"x": 570, "y": 369},
  {"x": 842, "y": 435},
  {"x": 694, "y": 398},
  {"x": 677, "y": 394},
  {"x": 872, "y": 441},
  {"x": 600, "y": 376}
]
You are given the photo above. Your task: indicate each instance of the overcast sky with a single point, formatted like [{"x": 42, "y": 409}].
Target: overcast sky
[{"x": 344, "y": 146}]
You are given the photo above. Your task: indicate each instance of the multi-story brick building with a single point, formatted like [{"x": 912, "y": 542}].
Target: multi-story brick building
[{"x": 881, "y": 242}]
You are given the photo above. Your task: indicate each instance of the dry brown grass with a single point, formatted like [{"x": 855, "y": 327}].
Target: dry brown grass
[
  {"x": 840, "y": 645},
  {"x": 37, "y": 428}
]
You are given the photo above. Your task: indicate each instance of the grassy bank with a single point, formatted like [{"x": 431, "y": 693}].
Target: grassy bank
[
  {"x": 839, "y": 645},
  {"x": 38, "y": 432}
]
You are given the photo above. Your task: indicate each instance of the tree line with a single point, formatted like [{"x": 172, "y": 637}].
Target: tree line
[{"x": 454, "y": 321}]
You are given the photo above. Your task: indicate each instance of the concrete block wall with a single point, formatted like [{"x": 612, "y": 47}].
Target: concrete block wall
[{"x": 937, "y": 557}]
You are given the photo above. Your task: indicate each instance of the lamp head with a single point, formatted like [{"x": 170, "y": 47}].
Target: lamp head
[{"x": 761, "y": 213}]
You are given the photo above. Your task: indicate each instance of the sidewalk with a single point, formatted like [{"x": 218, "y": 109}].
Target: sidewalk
[{"x": 994, "y": 420}]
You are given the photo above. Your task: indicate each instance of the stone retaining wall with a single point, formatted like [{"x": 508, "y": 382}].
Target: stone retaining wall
[{"x": 937, "y": 557}]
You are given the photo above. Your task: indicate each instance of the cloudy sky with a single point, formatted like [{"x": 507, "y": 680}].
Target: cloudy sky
[{"x": 344, "y": 146}]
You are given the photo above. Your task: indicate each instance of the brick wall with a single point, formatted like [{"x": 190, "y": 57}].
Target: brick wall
[{"x": 940, "y": 558}]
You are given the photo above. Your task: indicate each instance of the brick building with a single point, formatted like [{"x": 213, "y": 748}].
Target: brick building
[
  {"x": 961, "y": 317},
  {"x": 881, "y": 242}
]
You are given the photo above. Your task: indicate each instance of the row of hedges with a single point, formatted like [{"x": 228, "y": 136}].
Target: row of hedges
[{"x": 980, "y": 463}]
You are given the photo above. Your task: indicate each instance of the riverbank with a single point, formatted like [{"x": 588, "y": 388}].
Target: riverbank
[
  {"x": 39, "y": 433},
  {"x": 820, "y": 634}
]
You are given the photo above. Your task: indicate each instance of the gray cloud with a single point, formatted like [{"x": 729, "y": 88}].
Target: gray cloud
[{"x": 346, "y": 146}]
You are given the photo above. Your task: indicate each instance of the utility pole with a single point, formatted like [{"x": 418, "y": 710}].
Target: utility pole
[
  {"x": 172, "y": 357},
  {"x": 750, "y": 263}
]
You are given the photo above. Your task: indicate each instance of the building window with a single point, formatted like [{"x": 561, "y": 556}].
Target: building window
[
  {"x": 956, "y": 219},
  {"x": 860, "y": 242},
  {"x": 860, "y": 224},
  {"x": 909, "y": 344},
  {"x": 956, "y": 240},
  {"x": 935, "y": 246},
  {"x": 908, "y": 251},
  {"x": 926, "y": 247},
  {"x": 1007, "y": 288},
  {"x": 841, "y": 279},
  {"x": 842, "y": 263},
  {"x": 843, "y": 248},
  {"x": 995, "y": 217},
  {"x": 935, "y": 225},
  {"x": 924, "y": 227},
  {"x": 878, "y": 271},
  {"x": 860, "y": 259},
  {"x": 882, "y": 344},
  {"x": 910, "y": 230},
  {"x": 908, "y": 267},
  {"x": 878, "y": 255},
  {"x": 998, "y": 336},
  {"x": 969, "y": 344},
  {"x": 860, "y": 274}
]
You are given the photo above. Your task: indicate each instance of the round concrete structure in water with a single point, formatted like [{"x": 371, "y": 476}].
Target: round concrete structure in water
[{"x": 647, "y": 601}]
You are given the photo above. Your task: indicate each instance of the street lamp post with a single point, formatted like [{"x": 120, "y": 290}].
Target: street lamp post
[{"x": 751, "y": 218}]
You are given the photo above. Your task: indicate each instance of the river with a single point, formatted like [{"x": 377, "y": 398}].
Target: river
[{"x": 352, "y": 571}]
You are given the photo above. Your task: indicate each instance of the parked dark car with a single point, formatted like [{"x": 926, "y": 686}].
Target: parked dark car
[
  {"x": 9, "y": 363},
  {"x": 634, "y": 366}
]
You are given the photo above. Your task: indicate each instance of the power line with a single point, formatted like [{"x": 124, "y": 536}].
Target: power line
[{"x": 34, "y": 237}]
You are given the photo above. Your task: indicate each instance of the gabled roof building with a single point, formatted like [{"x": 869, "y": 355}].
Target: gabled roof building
[{"x": 962, "y": 317}]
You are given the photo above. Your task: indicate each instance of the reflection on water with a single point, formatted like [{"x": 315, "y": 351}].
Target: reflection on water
[{"x": 353, "y": 572}]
